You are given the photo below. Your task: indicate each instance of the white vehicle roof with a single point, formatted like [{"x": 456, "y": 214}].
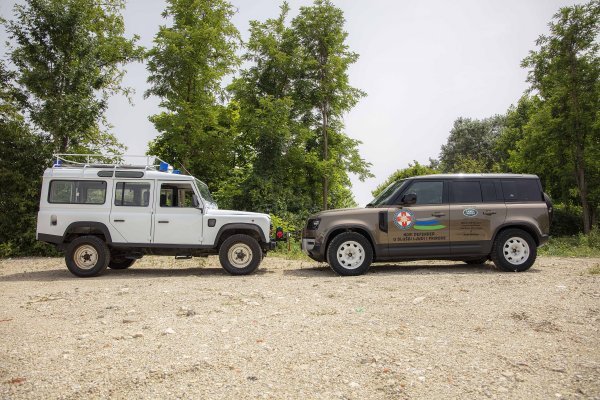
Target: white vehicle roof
[{"x": 88, "y": 166}]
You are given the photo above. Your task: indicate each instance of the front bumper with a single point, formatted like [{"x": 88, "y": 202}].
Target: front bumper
[{"x": 311, "y": 248}]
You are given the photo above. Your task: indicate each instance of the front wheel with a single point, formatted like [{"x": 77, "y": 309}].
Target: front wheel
[
  {"x": 514, "y": 250},
  {"x": 240, "y": 254},
  {"x": 350, "y": 254},
  {"x": 87, "y": 256}
]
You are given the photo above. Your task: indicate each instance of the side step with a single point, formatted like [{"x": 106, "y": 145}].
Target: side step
[{"x": 183, "y": 257}]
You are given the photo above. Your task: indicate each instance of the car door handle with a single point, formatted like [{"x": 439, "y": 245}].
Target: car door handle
[
  {"x": 163, "y": 222},
  {"x": 437, "y": 214},
  {"x": 119, "y": 220},
  {"x": 489, "y": 212}
]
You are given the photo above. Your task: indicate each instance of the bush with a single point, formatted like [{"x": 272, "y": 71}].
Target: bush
[
  {"x": 567, "y": 221},
  {"x": 579, "y": 245}
]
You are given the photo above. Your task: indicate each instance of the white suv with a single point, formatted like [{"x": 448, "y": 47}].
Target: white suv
[{"x": 108, "y": 214}]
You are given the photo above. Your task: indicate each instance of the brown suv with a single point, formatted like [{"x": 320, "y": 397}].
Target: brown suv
[{"x": 467, "y": 217}]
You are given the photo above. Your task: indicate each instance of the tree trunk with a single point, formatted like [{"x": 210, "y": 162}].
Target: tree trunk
[
  {"x": 325, "y": 154},
  {"x": 583, "y": 190}
]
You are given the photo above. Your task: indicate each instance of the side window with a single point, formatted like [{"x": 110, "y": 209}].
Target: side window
[
  {"x": 132, "y": 194},
  {"x": 176, "y": 195},
  {"x": 465, "y": 192},
  {"x": 521, "y": 190},
  {"x": 428, "y": 192},
  {"x": 488, "y": 191},
  {"x": 77, "y": 192}
]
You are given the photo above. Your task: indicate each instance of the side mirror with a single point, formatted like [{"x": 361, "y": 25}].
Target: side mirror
[
  {"x": 409, "y": 198},
  {"x": 195, "y": 201}
]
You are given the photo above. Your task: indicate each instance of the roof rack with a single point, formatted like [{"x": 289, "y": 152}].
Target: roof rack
[{"x": 126, "y": 161}]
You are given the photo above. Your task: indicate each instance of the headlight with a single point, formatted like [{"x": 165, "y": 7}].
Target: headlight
[{"x": 313, "y": 224}]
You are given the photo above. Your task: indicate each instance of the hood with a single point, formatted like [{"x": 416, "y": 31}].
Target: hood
[
  {"x": 347, "y": 211},
  {"x": 213, "y": 211}
]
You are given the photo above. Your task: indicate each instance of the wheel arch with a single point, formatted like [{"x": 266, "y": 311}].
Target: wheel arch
[
  {"x": 524, "y": 226},
  {"x": 81, "y": 228},
  {"x": 251, "y": 230},
  {"x": 360, "y": 229}
]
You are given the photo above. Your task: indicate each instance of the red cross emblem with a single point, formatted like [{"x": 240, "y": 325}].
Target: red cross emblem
[{"x": 404, "y": 219}]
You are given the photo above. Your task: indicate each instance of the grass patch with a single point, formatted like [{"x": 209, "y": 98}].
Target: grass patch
[
  {"x": 573, "y": 246},
  {"x": 595, "y": 270},
  {"x": 291, "y": 251}
]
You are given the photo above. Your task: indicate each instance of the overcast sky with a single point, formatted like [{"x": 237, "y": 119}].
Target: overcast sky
[{"x": 422, "y": 64}]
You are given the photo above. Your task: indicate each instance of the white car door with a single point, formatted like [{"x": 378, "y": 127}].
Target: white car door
[
  {"x": 176, "y": 220},
  {"x": 131, "y": 211}
]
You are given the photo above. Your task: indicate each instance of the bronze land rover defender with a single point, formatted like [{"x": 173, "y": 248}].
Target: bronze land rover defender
[{"x": 466, "y": 217}]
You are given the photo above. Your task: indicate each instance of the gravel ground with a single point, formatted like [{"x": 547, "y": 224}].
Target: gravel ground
[{"x": 185, "y": 329}]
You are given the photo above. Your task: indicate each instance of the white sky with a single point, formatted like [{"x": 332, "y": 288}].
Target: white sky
[{"x": 422, "y": 63}]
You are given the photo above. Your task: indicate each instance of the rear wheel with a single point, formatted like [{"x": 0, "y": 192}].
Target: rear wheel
[
  {"x": 120, "y": 263},
  {"x": 240, "y": 254},
  {"x": 514, "y": 250},
  {"x": 349, "y": 254},
  {"x": 87, "y": 256}
]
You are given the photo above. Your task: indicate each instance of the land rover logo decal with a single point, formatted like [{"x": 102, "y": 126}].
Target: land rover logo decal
[
  {"x": 470, "y": 212},
  {"x": 404, "y": 219}
]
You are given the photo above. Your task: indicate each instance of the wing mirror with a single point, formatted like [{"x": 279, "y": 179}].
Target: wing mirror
[{"x": 409, "y": 198}]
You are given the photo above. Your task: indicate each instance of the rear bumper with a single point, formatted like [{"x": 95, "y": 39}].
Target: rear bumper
[{"x": 270, "y": 246}]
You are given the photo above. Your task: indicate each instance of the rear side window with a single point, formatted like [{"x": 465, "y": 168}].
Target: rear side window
[
  {"x": 489, "y": 193},
  {"x": 465, "y": 192},
  {"x": 132, "y": 194},
  {"x": 521, "y": 190},
  {"x": 77, "y": 192}
]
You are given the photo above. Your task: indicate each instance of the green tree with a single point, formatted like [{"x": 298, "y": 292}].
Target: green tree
[
  {"x": 23, "y": 156},
  {"x": 323, "y": 94},
  {"x": 414, "y": 169},
  {"x": 187, "y": 64},
  {"x": 565, "y": 126},
  {"x": 69, "y": 56},
  {"x": 270, "y": 135},
  {"x": 471, "y": 146}
]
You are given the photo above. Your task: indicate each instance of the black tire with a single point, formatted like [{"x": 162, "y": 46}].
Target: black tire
[
  {"x": 120, "y": 263},
  {"x": 240, "y": 254},
  {"x": 514, "y": 250},
  {"x": 350, "y": 254},
  {"x": 477, "y": 261},
  {"x": 87, "y": 256}
]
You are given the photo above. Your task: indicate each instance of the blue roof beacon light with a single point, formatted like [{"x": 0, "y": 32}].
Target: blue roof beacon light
[
  {"x": 176, "y": 171},
  {"x": 163, "y": 167},
  {"x": 58, "y": 163}
]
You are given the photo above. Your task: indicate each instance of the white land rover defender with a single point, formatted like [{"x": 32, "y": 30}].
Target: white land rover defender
[{"x": 110, "y": 213}]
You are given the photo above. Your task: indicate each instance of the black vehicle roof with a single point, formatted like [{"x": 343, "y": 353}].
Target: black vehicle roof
[{"x": 476, "y": 176}]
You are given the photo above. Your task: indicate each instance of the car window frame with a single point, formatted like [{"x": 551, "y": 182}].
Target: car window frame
[{"x": 409, "y": 185}]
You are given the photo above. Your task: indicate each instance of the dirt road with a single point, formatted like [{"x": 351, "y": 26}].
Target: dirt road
[{"x": 172, "y": 329}]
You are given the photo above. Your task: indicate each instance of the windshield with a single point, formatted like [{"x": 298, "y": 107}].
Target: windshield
[
  {"x": 386, "y": 195},
  {"x": 205, "y": 193}
]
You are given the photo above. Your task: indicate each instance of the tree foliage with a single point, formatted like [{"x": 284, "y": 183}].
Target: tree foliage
[
  {"x": 187, "y": 63},
  {"x": 471, "y": 146},
  {"x": 287, "y": 95},
  {"x": 69, "y": 56},
  {"x": 325, "y": 94},
  {"x": 414, "y": 169},
  {"x": 564, "y": 72},
  {"x": 23, "y": 156}
]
